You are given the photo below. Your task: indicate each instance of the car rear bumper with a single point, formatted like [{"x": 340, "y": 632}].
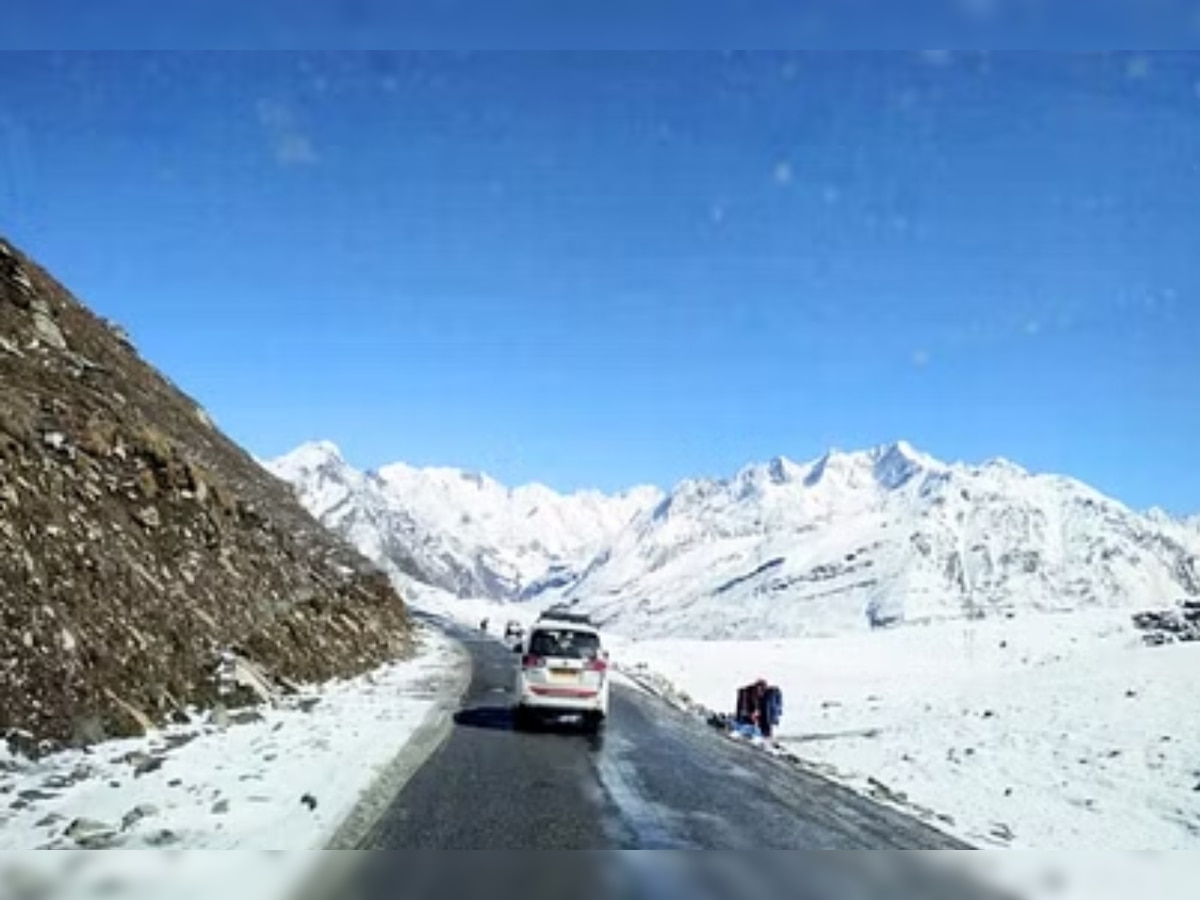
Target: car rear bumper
[{"x": 562, "y": 699}]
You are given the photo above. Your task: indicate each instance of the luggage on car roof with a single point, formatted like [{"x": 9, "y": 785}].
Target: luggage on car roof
[{"x": 566, "y": 615}]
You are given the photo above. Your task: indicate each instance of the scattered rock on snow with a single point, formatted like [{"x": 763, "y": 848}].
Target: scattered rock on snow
[
  {"x": 310, "y": 801},
  {"x": 1002, "y": 832},
  {"x": 21, "y": 743},
  {"x": 175, "y": 741},
  {"x": 35, "y": 796},
  {"x": 143, "y": 763},
  {"x": 220, "y": 808},
  {"x": 881, "y": 791},
  {"x": 91, "y": 834},
  {"x": 246, "y": 717},
  {"x": 135, "y": 815},
  {"x": 1180, "y": 624}
]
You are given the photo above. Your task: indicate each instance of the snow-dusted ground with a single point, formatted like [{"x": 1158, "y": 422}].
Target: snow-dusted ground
[
  {"x": 1041, "y": 732},
  {"x": 284, "y": 781}
]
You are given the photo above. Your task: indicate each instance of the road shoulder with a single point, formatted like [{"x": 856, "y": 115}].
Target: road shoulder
[{"x": 433, "y": 731}]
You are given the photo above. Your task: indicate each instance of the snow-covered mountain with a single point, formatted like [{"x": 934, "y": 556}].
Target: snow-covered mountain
[
  {"x": 460, "y": 531},
  {"x": 846, "y": 542},
  {"x": 868, "y": 539}
]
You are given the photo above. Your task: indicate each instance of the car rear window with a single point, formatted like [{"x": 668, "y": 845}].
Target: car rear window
[{"x": 565, "y": 644}]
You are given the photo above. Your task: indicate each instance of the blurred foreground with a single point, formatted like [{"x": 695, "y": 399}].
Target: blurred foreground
[{"x": 620, "y": 875}]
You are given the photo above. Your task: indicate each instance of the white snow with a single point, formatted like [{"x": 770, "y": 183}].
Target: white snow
[
  {"x": 466, "y": 611},
  {"x": 1006, "y": 692},
  {"x": 782, "y": 548},
  {"x": 464, "y": 531},
  {"x": 854, "y": 539},
  {"x": 239, "y": 787},
  {"x": 1061, "y": 730}
]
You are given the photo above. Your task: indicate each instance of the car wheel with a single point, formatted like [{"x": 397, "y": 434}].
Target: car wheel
[{"x": 593, "y": 722}]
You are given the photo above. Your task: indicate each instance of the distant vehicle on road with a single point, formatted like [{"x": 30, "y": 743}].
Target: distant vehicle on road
[
  {"x": 514, "y": 631},
  {"x": 563, "y": 671}
]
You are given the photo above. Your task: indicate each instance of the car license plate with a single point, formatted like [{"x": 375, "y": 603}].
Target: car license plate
[{"x": 563, "y": 675}]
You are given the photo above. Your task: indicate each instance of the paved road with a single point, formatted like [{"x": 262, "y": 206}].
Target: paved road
[{"x": 654, "y": 779}]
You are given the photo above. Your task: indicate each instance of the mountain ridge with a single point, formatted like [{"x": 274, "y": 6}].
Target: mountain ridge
[
  {"x": 464, "y": 532},
  {"x": 850, "y": 539}
]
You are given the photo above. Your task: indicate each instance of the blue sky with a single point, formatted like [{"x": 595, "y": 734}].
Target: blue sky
[{"x": 603, "y": 268}]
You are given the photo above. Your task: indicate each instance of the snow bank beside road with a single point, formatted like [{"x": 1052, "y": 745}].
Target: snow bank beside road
[
  {"x": 1046, "y": 732},
  {"x": 274, "y": 779}
]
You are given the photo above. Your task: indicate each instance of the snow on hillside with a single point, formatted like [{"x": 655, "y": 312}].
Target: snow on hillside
[
  {"x": 846, "y": 543},
  {"x": 461, "y": 531},
  {"x": 531, "y": 529},
  {"x": 859, "y": 540},
  {"x": 280, "y": 779},
  {"x": 1049, "y": 732}
]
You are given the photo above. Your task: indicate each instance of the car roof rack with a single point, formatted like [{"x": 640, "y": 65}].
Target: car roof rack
[{"x": 560, "y": 614}]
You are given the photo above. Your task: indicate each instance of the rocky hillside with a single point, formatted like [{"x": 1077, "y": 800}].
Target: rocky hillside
[
  {"x": 139, "y": 546},
  {"x": 461, "y": 531}
]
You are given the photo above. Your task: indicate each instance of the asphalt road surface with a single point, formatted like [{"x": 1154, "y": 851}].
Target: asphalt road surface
[{"x": 653, "y": 779}]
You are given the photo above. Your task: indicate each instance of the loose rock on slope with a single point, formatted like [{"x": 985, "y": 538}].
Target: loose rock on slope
[{"x": 138, "y": 544}]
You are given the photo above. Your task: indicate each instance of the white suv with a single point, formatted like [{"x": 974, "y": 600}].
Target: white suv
[{"x": 564, "y": 671}]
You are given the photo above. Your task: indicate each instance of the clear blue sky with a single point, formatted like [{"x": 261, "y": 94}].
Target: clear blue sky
[{"x": 599, "y": 269}]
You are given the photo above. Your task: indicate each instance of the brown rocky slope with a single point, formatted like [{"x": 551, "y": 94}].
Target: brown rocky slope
[{"x": 138, "y": 544}]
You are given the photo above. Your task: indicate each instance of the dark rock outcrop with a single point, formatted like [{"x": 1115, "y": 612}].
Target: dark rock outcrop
[
  {"x": 138, "y": 544},
  {"x": 1180, "y": 624}
]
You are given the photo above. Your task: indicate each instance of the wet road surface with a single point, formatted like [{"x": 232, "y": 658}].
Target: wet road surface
[{"x": 653, "y": 779}]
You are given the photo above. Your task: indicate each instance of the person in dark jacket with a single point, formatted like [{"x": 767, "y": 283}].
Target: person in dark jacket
[
  {"x": 750, "y": 703},
  {"x": 759, "y": 707},
  {"x": 770, "y": 710}
]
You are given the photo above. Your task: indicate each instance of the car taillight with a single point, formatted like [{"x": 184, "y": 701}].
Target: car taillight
[
  {"x": 597, "y": 665},
  {"x": 529, "y": 661}
]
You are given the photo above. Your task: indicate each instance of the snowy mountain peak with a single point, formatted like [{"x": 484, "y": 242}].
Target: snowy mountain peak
[
  {"x": 878, "y": 537},
  {"x": 315, "y": 456},
  {"x": 782, "y": 470},
  {"x": 1004, "y": 467},
  {"x": 849, "y": 541},
  {"x": 462, "y": 531},
  {"x": 756, "y": 477},
  {"x": 890, "y": 466},
  {"x": 897, "y": 464}
]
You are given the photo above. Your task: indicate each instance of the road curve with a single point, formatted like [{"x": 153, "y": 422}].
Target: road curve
[{"x": 654, "y": 779}]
